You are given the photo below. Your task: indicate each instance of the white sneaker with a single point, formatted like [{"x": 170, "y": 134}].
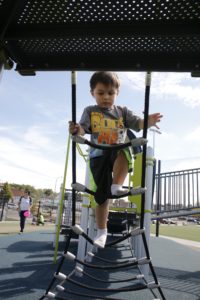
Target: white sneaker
[
  {"x": 100, "y": 239},
  {"x": 118, "y": 190}
]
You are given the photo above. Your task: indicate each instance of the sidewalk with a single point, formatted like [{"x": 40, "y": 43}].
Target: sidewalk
[
  {"x": 12, "y": 227},
  {"x": 191, "y": 244}
]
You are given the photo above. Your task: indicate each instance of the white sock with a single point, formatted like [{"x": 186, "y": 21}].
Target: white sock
[
  {"x": 117, "y": 189},
  {"x": 100, "y": 239}
]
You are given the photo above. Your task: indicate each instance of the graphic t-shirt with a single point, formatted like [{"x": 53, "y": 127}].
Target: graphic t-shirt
[{"x": 107, "y": 125}]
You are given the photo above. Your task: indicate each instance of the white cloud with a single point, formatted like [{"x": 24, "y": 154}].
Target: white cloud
[
  {"x": 17, "y": 154},
  {"x": 180, "y": 164},
  {"x": 36, "y": 138},
  {"x": 133, "y": 79},
  {"x": 177, "y": 152},
  {"x": 48, "y": 109},
  {"x": 5, "y": 129},
  {"x": 193, "y": 136},
  {"x": 20, "y": 165},
  {"x": 166, "y": 144},
  {"x": 177, "y": 90},
  {"x": 30, "y": 152},
  {"x": 177, "y": 86},
  {"x": 28, "y": 161}
]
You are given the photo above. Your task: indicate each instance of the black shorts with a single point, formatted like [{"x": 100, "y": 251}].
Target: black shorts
[{"x": 101, "y": 170}]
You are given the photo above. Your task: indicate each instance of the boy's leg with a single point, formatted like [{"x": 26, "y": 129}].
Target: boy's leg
[
  {"x": 120, "y": 171},
  {"x": 101, "y": 214},
  {"x": 101, "y": 171}
]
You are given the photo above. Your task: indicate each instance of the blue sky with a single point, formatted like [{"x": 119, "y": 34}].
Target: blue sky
[{"x": 34, "y": 115}]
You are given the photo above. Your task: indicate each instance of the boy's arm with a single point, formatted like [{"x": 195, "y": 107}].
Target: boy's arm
[
  {"x": 152, "y": 120},
  {"x": 76, "y": 129},
  {"x": 83, "y": 126}
]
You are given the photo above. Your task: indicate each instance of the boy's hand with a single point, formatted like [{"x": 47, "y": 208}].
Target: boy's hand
[
  {"x": 74, "y": 128},
  {"x": 154, "y": 119}
]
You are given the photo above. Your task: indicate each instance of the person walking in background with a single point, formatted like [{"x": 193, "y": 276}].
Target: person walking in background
[{"x": 24, "y": 207}]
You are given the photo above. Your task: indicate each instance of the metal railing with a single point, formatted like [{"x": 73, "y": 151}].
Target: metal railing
[{"x": 178, "y": 190}]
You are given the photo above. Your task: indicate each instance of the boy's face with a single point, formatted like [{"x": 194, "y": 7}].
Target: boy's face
[{"x": 104, "y": 95}]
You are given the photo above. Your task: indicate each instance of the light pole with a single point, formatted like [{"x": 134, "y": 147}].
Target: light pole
[
  {"x": 55, "y": 193},
  {"x": 154, "y": 132},
  {"x": 56, "y": 183}
]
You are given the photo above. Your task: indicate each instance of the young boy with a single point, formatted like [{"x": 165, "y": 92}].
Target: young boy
[{"x": 107, "y": 124}]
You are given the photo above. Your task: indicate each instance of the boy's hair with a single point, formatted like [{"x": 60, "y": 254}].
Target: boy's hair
[{"x": 107, "y": 78}]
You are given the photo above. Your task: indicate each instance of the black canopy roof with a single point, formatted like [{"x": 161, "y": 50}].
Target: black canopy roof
[{"x": 140, "y": 35}]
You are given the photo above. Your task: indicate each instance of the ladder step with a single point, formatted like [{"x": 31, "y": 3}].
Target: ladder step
[
  {"x": 111, "y": 266},
  {"x": 136, "y": 142},
  {"x": 92, "y": 255},
  {"x": 79, "y": 231},
  {"x": 134, "y": 232},
  {"x": 134, "y": 287},
  {"x": 135, "y": 277},
  {"x": 133, "y": 191}
]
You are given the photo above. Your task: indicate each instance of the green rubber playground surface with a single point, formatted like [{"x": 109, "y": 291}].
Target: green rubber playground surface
[{"x": 27, "y": 267}]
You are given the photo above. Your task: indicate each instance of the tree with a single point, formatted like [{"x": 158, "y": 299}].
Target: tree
[
  {"x": 6, "y": 192},
  {"x": 48, "y": 192}
]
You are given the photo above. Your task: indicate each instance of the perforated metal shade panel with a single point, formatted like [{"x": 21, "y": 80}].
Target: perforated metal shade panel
[{"x": 156, "y": 35}]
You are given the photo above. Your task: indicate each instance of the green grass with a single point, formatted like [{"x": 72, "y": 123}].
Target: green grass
[{"x": 189, "y": 232}]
